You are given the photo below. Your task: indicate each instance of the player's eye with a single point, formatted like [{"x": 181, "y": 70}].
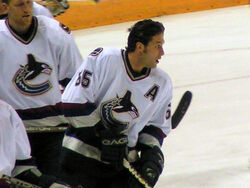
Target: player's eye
[{"x": 158, "y": 46}]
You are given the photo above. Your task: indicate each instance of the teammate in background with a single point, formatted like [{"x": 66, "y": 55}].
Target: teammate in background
[
  {"x": 56, "y": 7},
  {"x": 118, "y": 104},
  {"x": 41, "y": 10},
  {"x": 3, "y": 9},
  {"x": 38, "y": 54},
  {"x": 37, "y": 10},
  {"x": 15, "y": 158}
]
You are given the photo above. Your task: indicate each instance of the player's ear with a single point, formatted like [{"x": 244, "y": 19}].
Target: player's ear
[
  {"x": 5, "y": 8},
  {"x": 140, "y": 47}
]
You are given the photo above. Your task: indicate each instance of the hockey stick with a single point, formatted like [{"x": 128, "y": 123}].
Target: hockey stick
[
  {"x": 16, "y": 182},
  {"x": 176, "y": 118},
  {"x": 181, "y": 109},
  {"x": 132, "y": 170},
  {"x": 45, "y": 129}
]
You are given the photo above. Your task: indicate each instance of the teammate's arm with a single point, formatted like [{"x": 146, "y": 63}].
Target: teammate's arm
[
  {"x": 25, "y": 167},
  {"x": 69, "y": 57}
]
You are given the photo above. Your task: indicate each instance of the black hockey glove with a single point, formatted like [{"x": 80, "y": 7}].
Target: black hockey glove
[
  {"x": 4, "y": 183},
  {"x": 34, "y": 176},
  {"x": 150, "y": 167},
  {"x": 114, "y": 148}
]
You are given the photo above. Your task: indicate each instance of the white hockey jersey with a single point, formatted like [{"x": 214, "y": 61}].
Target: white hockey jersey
[
  {"x": 14, "y": 143},
  {"x": 106, "y": 89},
  {"x": 41, "y": 10},
  {"x": 32, "y": 66}
]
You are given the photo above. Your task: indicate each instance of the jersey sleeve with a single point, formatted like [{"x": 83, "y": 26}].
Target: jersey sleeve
[
  {"x": 160, "y": 124},
  {"x": 69, "y": 57},
  {"x": 13, "y": 139},
  {"x": 79, "y": 96},
  {"x": 22, "y": 142}
]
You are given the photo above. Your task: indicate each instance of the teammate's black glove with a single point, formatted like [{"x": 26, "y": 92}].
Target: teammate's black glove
[
  {"x": 114, "y": 148},
  {"x": 150, "y": 167},
  {"x": 34, "y": 176}
]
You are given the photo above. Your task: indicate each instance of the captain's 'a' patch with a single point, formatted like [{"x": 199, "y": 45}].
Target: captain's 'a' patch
[
  {"x": 96, "y": 52},
  {"x": 152, "y": 92}
]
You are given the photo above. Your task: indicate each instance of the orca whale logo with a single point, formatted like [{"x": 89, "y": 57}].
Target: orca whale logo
[
  {"x": 24, "y": 76},
  {"x": 119, "y": 111}
]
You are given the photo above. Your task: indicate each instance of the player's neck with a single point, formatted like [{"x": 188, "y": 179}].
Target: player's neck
[
  {"x": 20, "y": 28},
  {"x": 135, "y": 62}
]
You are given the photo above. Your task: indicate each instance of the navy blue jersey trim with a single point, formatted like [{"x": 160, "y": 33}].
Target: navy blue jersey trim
[
  {"x": 134, "y": 76},
  {"x": 29, "y": 36},
  {"x": 41, "y": 112},
  {"x": 76, "y": 109},
  {"x": 26, "y": 162},
  {"x": 155, "y": 132},
  {"x": 88, "y": 135},
  {"x": 64, "y": 82}
]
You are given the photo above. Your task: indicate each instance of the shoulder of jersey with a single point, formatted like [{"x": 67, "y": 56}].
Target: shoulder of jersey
[
  {"x": 161, "y": 75},
  {"x": 4, "y": 105},
  {"x": 36, "y": 4},
  {"x": 41, "y": 10},
  {"x": 105, "y": 56},
  {"x": 53, "y": 24},
  {"x": 105, "y": 51}
]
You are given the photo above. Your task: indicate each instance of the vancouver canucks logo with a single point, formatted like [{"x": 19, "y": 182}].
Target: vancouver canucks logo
[
  {"x": 27, "y": 80},
  {"x": 119, "y": 112}
]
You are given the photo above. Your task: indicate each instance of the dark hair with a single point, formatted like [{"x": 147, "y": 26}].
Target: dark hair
[
  {"x": 143, "y": 31},
  {"x": 6, "y": 1}
]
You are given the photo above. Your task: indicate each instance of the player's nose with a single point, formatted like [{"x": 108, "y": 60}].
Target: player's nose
[{"x": 162, "y": 52}]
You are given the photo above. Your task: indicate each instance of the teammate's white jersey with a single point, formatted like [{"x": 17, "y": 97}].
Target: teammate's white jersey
[
  {"x": 14, "y": 143},
  {"x": 106, "y": 88},
  {"x": 32, "y": 66},
  {"x": 41, "y": 10}
]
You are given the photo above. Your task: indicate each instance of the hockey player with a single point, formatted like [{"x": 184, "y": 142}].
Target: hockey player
[
  {"x": 37, "y": 10},
  {"x": 118, "y": 104},
  {"x": 15, "y": 158},
  {"x": 37, "y": 53},
  {"x": 3, "y": 9},
  {"x": 14, "y": 140},
  {"x": 41, "y": 10},
  {"x": 56, "y": 7}
]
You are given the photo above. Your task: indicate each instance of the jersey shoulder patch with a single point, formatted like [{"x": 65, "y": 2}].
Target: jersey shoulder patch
[
  {"x": 65, "y": 28},
  {"x": 96, "y": 52}
]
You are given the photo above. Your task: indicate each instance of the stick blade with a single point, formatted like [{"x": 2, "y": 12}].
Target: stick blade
[{"x": 181, "y": 108}]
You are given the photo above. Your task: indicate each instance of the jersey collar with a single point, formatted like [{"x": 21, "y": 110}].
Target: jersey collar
[
  {"x": 27, "y": 37},
  {"x": 131, "y": 73},
  {"x": 3, "y": 16}
]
